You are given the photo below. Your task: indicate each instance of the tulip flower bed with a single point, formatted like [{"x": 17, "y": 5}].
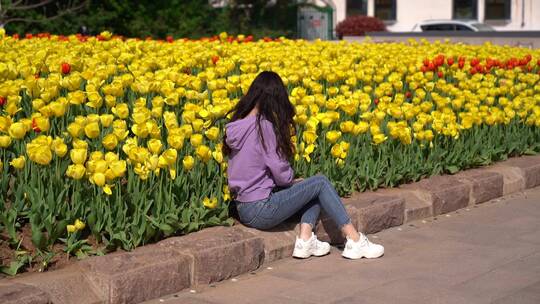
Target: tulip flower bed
[{"x": 112, "y": 143}]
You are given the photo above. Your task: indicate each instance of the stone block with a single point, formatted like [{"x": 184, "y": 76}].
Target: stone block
[
  {"x": 485, "y": 185},
  {"x": 446, "y": 192},
  {"x": 418, "y": 204},
  {"x": 376, "y": 212},
  {"x": 278, "y": 241},
  {"x": 513, "y": 177},
  {"x": 219, "y": 253},
  {"x": 143, "y": 274},
  {"x": 16, "y": 293},
  {"x": 64, "y": 286},
  {"x": 530, "y": 167}
]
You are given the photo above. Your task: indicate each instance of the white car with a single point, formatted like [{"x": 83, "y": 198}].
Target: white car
[{"x": 452, "y": 25}]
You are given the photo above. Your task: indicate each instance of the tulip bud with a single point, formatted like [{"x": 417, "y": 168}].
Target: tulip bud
[{"x": 188, "y": 162}]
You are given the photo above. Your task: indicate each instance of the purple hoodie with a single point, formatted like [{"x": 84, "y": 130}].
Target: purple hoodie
[{"x": 253, "y": 172}]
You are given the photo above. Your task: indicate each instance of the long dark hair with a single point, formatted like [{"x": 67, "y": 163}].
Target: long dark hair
[{"x": 269, "y": 92}]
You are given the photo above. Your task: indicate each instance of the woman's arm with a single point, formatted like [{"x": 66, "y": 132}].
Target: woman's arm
[{"x": 280, "y": 168}]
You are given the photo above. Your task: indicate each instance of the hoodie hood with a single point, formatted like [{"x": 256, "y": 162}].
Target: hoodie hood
[{"x": 239, "y": 131}]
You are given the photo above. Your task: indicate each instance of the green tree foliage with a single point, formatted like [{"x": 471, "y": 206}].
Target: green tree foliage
[{"x": 160, "y": 18}]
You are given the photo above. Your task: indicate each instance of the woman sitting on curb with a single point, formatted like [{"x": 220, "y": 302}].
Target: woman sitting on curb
[{"x": 258, "y": 144}]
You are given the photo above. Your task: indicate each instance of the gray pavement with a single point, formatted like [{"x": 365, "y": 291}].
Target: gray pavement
[{"x": 489, "y": 253}]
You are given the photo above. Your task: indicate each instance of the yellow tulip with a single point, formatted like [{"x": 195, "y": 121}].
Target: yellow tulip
[
  {"x": 59, "y": 147},
  {"x": 18, "y": 163},
  {"x": 154, "y": 145},
  {"x": 78, "y": 156},
  {"x": 92, "y": 130},
  {"x": 17, "y": 130},
  {"x": 98, "y": 179},
  {"x": 188, "y": 162},
  {"x": 170, "y": 156},
  {"x": 379, "y": 138},
  {"x": 106, "y": 120},
  {"x": 197, "y": 124},
  {"x": 118, "y": 167},
  {"x": 196, "y": 140},
  {"x": 218, "y": 156},
  {"x": 75, "y": 129},
  {"x": 204, "y": 153},
  {"x": 360, "y": 128},
  {"x": 41, "y": 155},
  {"x": 76, "y": 171},
  {"x": 347, "y": 126},
  {"x": 79, "y": 225},
  {"x": 176, "y": 141},
  {"x": 210, "y": 203},
  {"x": 5, "y": 141},
  {"x": 111, "y": 157},
  {"x": 96, "y": 155},
  {"x": 71, "y": 228},
  {"x": 309, "y": 137},
  {"x": 98, "y": 166},
  {"x": 5, "y": 123},
  {"x": 428, "y": 135},
  {"x": 333, "y": 136},
  {"x": 212, "y": 133},
  {"x": 109, "y": 141}
]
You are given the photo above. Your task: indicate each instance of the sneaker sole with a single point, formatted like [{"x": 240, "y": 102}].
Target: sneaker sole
[
  {"x": 301, "y": 256},
  {"x": 361, "y": 256},
  {"x": 305, "y": 256}
]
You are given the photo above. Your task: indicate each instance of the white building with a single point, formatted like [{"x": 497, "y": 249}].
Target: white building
[{"x": 402, "y": 15}]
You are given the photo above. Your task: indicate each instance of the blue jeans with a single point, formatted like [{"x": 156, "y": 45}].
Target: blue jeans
[{"x": 307, "y": 196}]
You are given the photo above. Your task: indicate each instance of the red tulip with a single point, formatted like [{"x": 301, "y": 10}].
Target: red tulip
[
  {"x": 450, "y": 61},
  {"x": 461, "y": 64},
  {"x": 408, "y": 94},
  {"x": 170, "y": 38},
  {"x": 475, "y": 61},
  {"x": 440, "y": 74},
  {"x": 215, "y": 59},
  {"x": 35, "y": 126},
  {"x": 439, "y": 60},
  {"x": 66, "y": 68},
  {"x": 2, "y": 101}
]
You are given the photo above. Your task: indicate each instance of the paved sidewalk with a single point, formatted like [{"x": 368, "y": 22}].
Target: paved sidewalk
[{"x": 486, "y": 254}]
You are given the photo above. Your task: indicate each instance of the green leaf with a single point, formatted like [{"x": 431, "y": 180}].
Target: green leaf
[
  {"x": 452, "y": 169},
  {"x": 13, "y": 268}
]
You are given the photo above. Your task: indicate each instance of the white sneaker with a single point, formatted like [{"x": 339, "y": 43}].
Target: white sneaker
[
  {"x": 362, "y": 248},
  {"x": 305, "y": 249}
]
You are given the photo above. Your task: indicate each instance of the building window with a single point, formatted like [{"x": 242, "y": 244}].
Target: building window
[
  {"x": 497, "y": 10},
  {"x": 465, "y": 9},
  {"x": 385, "y": 9},
  {"x": 356, "y": 7}
]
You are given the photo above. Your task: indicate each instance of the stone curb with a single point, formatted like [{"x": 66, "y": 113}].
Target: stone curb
[{"x": 219, "y": 253}]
